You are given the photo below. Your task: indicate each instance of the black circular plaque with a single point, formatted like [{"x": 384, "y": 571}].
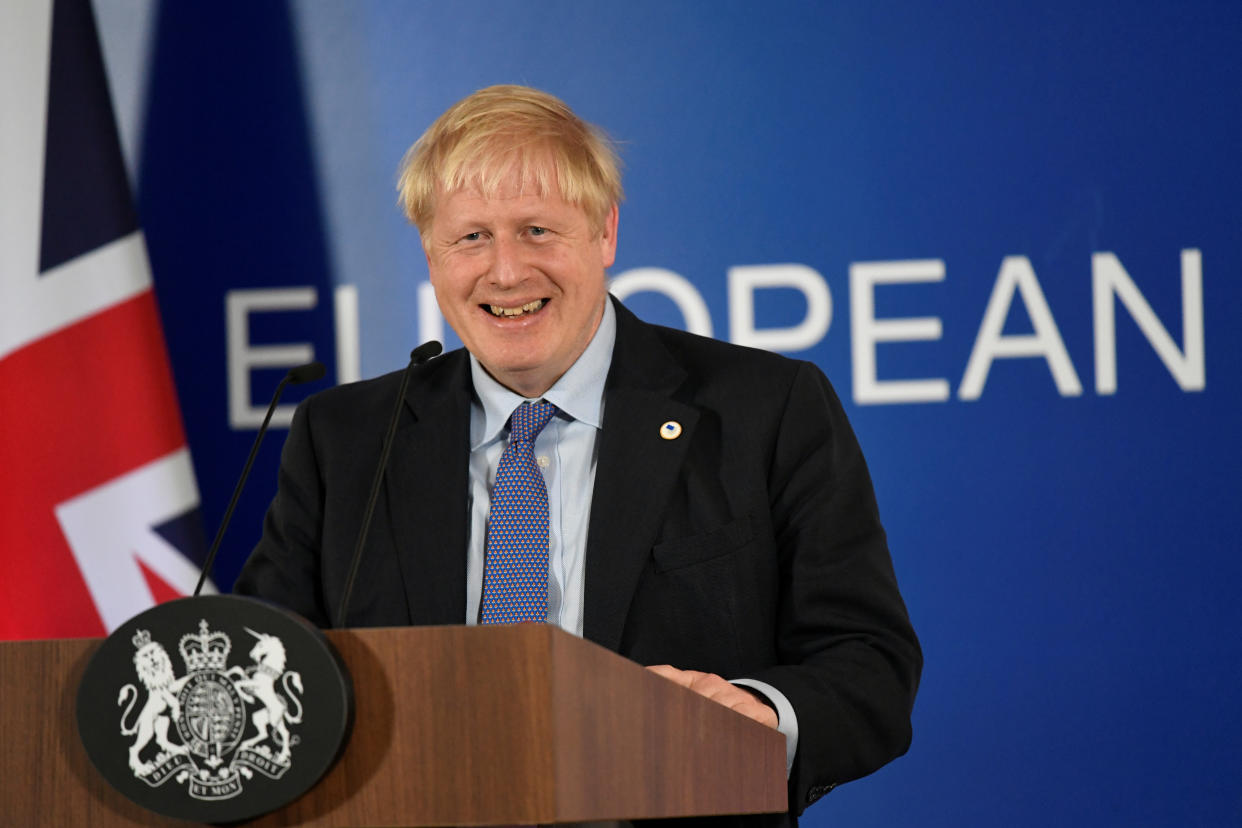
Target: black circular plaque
[{"x": 214, "y": 709}]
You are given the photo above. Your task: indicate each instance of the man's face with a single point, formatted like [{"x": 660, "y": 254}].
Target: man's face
[{"x": 520, "y": 278}]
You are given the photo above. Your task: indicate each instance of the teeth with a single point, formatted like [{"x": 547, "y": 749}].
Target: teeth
[{"x": 529, "y": 307}]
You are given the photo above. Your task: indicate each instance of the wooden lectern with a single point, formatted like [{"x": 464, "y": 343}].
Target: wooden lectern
[{"x": 454, "y": 726}]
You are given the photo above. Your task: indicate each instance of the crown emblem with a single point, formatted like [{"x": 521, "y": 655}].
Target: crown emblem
[
  {"x": 204, "y": 650},
  {"x": 141, "y": 639}
]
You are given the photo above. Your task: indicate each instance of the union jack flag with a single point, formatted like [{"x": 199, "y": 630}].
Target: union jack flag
[{"x": 98, "y": 502}]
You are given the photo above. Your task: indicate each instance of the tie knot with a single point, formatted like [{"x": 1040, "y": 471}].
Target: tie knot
[{"x": 528, "y": 419}]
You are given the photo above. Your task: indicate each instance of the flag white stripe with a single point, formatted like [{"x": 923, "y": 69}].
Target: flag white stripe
[
  {"x": 33, "y": 306},
  {"x": 109, "y": 529}
]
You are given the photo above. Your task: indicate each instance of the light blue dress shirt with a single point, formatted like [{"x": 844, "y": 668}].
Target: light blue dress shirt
[{"x": 567, "y": 452}]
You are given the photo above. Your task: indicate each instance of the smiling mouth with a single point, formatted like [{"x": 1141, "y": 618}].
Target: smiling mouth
[{"x": 514, "y": 312}]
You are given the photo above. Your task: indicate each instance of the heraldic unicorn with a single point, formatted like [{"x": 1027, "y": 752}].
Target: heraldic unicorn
[{"x": 197, "y": 721}]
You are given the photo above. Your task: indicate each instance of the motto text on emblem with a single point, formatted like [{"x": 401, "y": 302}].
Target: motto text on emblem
[{"x": 198, "y": 722}]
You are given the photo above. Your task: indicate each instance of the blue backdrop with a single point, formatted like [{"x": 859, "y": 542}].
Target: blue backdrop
[{"x": 1068, "y": 546}]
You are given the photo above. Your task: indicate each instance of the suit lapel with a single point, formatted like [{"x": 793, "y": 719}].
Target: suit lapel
[
  {"x": 426, "y": 486},
  {"x": 635, "y": 473},
  {"x": 427, "y": 481}
]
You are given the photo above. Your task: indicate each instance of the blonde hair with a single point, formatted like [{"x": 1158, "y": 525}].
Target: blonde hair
[{"x": 482, "y": 138}]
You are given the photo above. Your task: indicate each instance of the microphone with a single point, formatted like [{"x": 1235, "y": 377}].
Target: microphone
[
  {"x": 309, "y": 372},
  {"x": 418, "y": 356}
]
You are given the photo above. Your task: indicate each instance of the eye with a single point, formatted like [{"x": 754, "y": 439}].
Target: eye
[
  {"x": 538, "y": 231},
  {"x": 472, "y": 237}
]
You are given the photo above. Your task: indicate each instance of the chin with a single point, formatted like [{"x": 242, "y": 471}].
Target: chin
[
  {"x": 511, "y": 364},
  {"x": 515, "y": 356}
]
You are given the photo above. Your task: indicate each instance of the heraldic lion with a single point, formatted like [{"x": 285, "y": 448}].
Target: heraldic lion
[{"x": 155, "y": 671}]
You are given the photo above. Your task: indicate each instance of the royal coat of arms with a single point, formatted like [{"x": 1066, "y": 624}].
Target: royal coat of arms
[{"x": 216, "y": 725}]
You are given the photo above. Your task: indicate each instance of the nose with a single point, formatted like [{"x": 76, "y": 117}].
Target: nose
[{"x": 507, "y": 268}]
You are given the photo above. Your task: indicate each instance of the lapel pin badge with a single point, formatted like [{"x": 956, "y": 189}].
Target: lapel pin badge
[{"x": 670, "y": 430}]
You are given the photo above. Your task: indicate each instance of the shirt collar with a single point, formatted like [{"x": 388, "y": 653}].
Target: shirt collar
[{"x": 579, "y": 393}]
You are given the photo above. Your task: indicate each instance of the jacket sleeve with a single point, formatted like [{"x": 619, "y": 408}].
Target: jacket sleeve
[{"x": 848, "y": 658}]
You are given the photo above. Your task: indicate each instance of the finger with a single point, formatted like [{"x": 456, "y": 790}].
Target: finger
[
  {"x": 712, "y": 686},
  {"x": 753, "y": 708},
  {"x": 685, "y": 678},
  {"x": 735, "y": 698},
  {"x": 705, "y": 684}
]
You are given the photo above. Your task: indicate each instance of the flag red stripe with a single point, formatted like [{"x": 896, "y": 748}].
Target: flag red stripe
[
  {"x": 77, "y": 409},
  {"x": 161, "y": 590}
]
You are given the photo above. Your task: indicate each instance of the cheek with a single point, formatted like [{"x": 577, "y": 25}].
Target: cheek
[{"x": 450, "y": 283}]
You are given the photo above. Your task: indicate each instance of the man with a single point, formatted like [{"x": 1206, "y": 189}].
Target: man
[{"x": 701, "y": 508}]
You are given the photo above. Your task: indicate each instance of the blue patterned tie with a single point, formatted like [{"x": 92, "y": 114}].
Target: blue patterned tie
[{"x": 515, "y": 571}]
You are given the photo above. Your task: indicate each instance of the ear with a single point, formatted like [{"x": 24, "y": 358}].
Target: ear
[{"x": 608, "y": 237}]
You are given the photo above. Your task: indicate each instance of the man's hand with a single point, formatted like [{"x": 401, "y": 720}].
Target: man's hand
[{"x": 720, "y": 691}]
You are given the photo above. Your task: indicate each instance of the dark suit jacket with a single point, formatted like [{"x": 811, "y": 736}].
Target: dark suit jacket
[{"x": 750, "y": 546}]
